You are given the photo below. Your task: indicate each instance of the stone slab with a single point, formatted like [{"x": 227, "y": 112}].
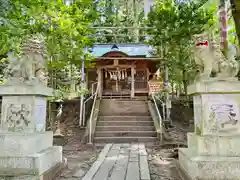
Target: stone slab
[
  {"x": 144, "y": 169},
  {"x": 94, "y": 168},
  {"x": 35, "y": 164},
  {"x": 214, "y": 86},
  {"x": 116, "y": 146},
  {"x": 212, "y": 145},
  {"x": 40, "y": 90},
  {"x": 120, "y": 169},
  {"x": 104, "y": 170},
  {"x": 209, "y": 167},
  {"x": 142, "y": 150},
  {"x": 108, "y": 164},
  {"x": 134, "y": 157},
  {"x": 133, "y": 171},
  {"x": 24, "y": 143},
  {"x": 125, "y": 145},
  {"x": 120, "y": 162},
  {"x": 134, "y": 147}
]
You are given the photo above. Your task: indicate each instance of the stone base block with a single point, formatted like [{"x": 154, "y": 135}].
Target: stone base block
[
  {"x": 48, "y": 175},
  {"x": 24, "y": 177},
  {"x": 24, "y": 143},
  {"x": 208, "y": 167},
  {"x": 212, "y": 145},
  {"x": 215, "y": 86},
  {"x": 23, "y": 89},
  {"x": 34, "y": 165}
]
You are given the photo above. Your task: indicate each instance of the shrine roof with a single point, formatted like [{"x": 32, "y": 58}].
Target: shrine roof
[{"x": 131, "y": 49}]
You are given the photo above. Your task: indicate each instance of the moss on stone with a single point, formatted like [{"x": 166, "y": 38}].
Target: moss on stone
[{"x": 198, "y": 131}]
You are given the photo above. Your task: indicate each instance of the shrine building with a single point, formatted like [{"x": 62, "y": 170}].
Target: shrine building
[{"x": 123, "y": 69}]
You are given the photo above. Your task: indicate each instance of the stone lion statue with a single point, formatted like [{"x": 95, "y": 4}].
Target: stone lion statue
[
  {"x": 210, "y": 59},
  {"x": 13, "y": 69},
  {"x": 31, "y": 65}
]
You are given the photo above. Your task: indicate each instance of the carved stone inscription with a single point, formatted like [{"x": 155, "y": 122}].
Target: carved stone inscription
[
  {"x": 222, "y": 114},
  {"x": 17, "y": 116}
]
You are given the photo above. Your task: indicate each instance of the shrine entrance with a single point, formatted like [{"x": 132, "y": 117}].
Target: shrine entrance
[
  {"x": 116, "y": 81},
  {"x": 124, "y": 80},
  {"x": 122, "y": 74}
]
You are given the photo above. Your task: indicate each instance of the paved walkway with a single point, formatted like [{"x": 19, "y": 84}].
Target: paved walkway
[{"x": 120, "y": 162}]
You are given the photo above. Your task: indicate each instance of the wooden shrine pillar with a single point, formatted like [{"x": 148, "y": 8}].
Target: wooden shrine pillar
[
  {"x": 132, "y": 83},
  {"x": 99, "y": 73}
]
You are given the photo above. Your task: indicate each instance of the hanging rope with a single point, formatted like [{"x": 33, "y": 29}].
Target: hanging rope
[{"x": 116, "y": 74}]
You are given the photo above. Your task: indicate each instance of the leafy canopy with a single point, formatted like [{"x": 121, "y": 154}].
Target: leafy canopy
[
  {"x": 65, "y": 27},
  {"x": 174, "y": 23}
]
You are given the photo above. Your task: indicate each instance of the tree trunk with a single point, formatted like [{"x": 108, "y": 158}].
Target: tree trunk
[
  {"x": 179, "y": 89},
  {"x": 236, "y": 14},
  {"x": 223, "y": 25},
  {"x": 172, "y": 85},
  {"x": 136, "y": 23},
  {"x": 185, "y": 83}
]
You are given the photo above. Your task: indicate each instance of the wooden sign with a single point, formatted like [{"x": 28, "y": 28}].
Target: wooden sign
[{"x": 155, "y": 86}]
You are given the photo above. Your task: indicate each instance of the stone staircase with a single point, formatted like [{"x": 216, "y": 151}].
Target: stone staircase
[{"x": 124, "y": 121}]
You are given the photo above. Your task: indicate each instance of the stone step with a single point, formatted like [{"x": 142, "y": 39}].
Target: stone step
[
  {"x": 125, "y": 118},
  {"x": 147, "y": 144},
  {"x": 124, "y": 108},
  {"x": 125, "y": 128},
  {"x": 125, "y": 139},
  {"x": 124, "y": 113},
  {"x": 125, "y": 123},
  {"x": 125, "y": 133},
  {"x": 136, "y": 100},
  {"x": 118, "y": 103}
]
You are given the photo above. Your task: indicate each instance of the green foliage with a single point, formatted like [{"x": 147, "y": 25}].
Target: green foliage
[
  {"x": 65, "y": 29},
  {"x": 214, "y": 27},
  {"x": 174, "y": 25},
  {"x": 118, "y": 13},
  {"x": 3, "y": 63}
]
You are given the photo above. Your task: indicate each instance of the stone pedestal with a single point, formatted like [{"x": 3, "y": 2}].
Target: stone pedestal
[
  {"x": 213, "y": 151},
  {"x": 26, "y": 150}
]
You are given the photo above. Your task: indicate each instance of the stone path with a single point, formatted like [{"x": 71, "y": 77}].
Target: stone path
[
  {"x": 80, "y": 156},
  {"x": 120, "y": 162}
]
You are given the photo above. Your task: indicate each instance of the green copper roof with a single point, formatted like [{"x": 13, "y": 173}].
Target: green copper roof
[{"x": 99, "y": 50}]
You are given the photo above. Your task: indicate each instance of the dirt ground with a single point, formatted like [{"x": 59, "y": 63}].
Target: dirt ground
[
  {"x": 162, "y": 158},
  {"x": 79, "y": 156}
]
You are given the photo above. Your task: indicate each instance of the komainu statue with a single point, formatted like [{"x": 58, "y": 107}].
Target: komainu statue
[
  {"x": 30, "y": 67},
  {"x": 210, "y": 59}
]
